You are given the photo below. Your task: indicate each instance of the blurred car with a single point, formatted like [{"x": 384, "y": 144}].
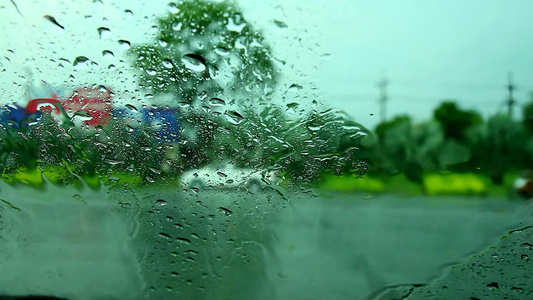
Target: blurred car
[
  {"x": 226, "y": 177},
  {"x": 523, "y": 185}
]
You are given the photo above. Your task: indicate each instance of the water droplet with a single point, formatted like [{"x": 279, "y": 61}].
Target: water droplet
[
  {"x": 351, "y": 127},
  {"x": 527, "y": 245},
  {"x": 151, "y": 72},
  {"x": 222, "y": 51},
  {"x": 162, "y": 43},
  {"x": 108, "y": 54},
  {"x": 493, "y": 285},
  {"x": 524, "y": 257},
  {"x": 80, "y": 62},
  {"x": 295, "y": 87},
  {"x": 54, "y": 21},
  {"x": 184, "y": 240},
  {"x": 194, "y": 62},
  {"x": 234, "y": 117},
  {"x": 172, "y": 8},
  {"x": 83, "y": 114},
  {"x": 167, "y": 63},
  {"x": 124, "y": 44},
  {"x": 155, "y": 170},
  {"x": 161, "y": 202},
  {"x": 131, "y": 107},
  {"x": 293, "y": 105},
  {"x": 280, "y": 24},
  {"x": 128, "y": 13},
  {"x": 315, "y": 127},
  {"x": 236, "y": 24},
  {"x": 226, "y": 211},
  {"x": 217, "y": 102},
  {"x": 104, "y": 32},
  {"x": 164, "y": 235},
  {"x": 113, "y": 162},
  {"x": 177, "y": 26}
]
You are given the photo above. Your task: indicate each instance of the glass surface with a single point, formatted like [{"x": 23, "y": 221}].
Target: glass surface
[{"x": 266, "y": 150}]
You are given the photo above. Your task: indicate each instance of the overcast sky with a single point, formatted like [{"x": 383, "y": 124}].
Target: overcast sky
[{"x": 429, "y": 50}]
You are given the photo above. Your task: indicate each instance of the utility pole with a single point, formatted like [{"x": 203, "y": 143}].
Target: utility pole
[
  {"x": 510, "y": 88},
  {"x": 383, "y": 98}
]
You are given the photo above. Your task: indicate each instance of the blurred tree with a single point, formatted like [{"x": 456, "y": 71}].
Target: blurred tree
[
  {"x": 397, "y": 148},
  {"x": 527, "y": 114},
  {"x": 428, "y": 138},
  {"x": 326, "y": 141},
  {"x": 408, "y": 148},
  {"x": 206, "y": 53},
  {"x": 500, "y": 146},
  {"x": 203, "y": 49},
  {"x": 455, "y": 121}
]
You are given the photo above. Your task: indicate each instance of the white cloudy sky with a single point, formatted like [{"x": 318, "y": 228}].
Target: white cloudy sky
[{"x": 429, "y": 50}]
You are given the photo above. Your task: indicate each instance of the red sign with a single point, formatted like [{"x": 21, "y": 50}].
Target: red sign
[{"x": 96, "y": 102}]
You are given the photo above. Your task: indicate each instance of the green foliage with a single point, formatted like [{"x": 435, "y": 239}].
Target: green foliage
[
  {"x": 220, "y": 69},
  {"x": 455, "y": 121},
  {"x": 207, "y": 50},
  {"x": 527, "y": 114},
  {"x": 398, "y": 149},
  {"x": 204, "y": 49},
  {"x": 500, "y": 146},
  {"x": 265, "y": 138},
  {"x": 80, "y": 153},
  {"x": 457, "y": 140}
]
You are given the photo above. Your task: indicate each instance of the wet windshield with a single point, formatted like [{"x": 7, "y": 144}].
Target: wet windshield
[{"x": 243, "y": 150}]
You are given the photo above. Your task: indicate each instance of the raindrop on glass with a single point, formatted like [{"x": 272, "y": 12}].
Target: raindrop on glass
[
  {"x": 104, "y": 32},
  {"x": 167, "y": 63},
  {"x": 217, "y": 102},
  {"x": 176, "y": 26},
  {"x": 161, "y": 202},
  {"x": 124, "y": 44},
  {"x": 222, "y": 51},
  {"x": 172, "y": 8},
  {"x": 80, "y": 62},
  {"x": 108, "y": 54},
  {"x": 194, "y": 62},
  {"x": 162, "y": 43},
  {"x": 280, "y": 24},
  {"x": 234, "y": 117}
]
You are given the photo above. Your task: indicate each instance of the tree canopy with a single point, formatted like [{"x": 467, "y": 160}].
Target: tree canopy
[
  {"x": 454, "y": 120},
  {"x": 204, "y": 49}
]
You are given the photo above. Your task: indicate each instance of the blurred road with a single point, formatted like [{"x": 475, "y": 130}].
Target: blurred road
[
  {"x": 231, "y": 244},
  {"x": 336, "y": 246},
  {"x": 346, "y": 248}
]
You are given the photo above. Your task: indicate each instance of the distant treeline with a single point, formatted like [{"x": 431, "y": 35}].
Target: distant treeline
[{"x": 454, "y": 139}]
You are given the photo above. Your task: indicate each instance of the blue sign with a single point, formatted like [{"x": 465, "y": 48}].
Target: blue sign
[{"x": 164, "y": 121}]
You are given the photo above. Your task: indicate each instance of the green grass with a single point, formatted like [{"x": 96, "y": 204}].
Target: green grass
[
  {"x": 446, "y": 183},
  {"x": 433, "y": 184},
  {"x": 351, "y": 183},
  {"x": 38, "y": 177}
]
